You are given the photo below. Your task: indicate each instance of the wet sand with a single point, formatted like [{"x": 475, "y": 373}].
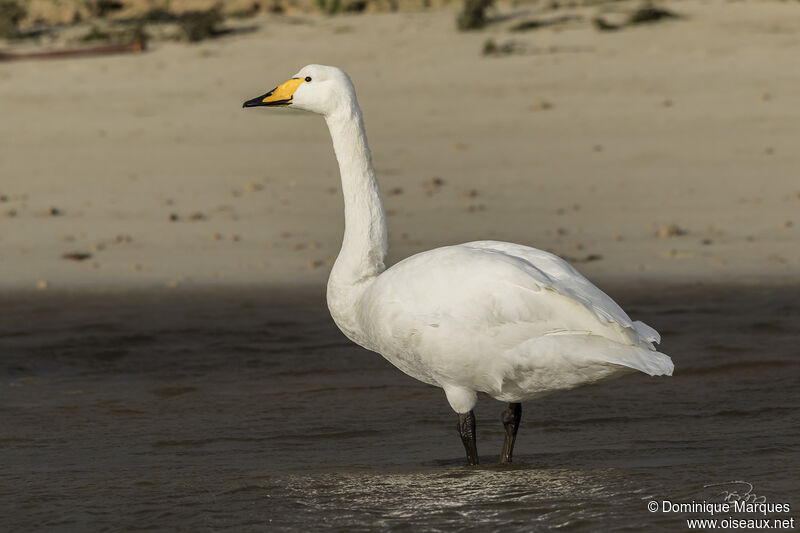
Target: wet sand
[{"x": 246, "y": 410}]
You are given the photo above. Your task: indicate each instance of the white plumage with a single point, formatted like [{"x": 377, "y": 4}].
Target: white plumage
[
  {"x": 508, "y": 320},
  {"x": 511, "y": 321}
]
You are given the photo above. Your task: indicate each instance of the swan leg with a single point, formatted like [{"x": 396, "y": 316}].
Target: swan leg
[
  {"x": 466, "y": 428},
  {"x": 510, "y": 417}
]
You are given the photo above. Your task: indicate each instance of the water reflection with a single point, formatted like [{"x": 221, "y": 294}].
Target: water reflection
[{"x": 491, "y": 496}]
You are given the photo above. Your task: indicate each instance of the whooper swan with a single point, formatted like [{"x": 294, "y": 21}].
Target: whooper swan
[{"x": 511, "y": 321}]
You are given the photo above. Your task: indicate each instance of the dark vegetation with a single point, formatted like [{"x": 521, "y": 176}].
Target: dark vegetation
[
  {"x": 117, "y": 34},
  {"x": 192, "y": 26},
  {"x": 644, "y": 14},
  {"x": 491, "y": 48},
  {"x": 332, "y": 7},
  {"x": 11, "y": 14},
  {"x": 199, "y": 25},
  {"x": 648, "y": 13},
  {"x": 473, "y": 16},
  {"x": 107, "y": 26},
  {"x": 103, "y": 8},
  {"x": 95, "y": 33},
  {"x": 535, "y": 24}
]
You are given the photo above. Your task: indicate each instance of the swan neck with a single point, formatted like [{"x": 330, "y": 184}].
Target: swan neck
[{"x": 365, "y": 240}]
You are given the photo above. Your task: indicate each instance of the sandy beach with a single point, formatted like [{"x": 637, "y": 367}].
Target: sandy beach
[{"x": 658, "y": 152}]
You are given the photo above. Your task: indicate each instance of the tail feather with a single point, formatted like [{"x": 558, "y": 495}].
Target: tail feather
[
  {"x": 650, "y": 362},
  {"x": 646, "y": 332},
  {"x": 584, "y": 350}
]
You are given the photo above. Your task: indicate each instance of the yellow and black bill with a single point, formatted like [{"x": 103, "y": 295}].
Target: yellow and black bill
[{"x": 280, "y": 96}]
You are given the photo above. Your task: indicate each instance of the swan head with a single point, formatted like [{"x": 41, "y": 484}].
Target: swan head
[{"x": 316, "y": 88}]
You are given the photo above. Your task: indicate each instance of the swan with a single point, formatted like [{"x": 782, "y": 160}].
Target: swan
[{"x": 507, "y": 320}]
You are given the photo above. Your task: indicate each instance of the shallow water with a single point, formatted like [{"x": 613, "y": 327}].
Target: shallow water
[{"x": 246, "y": 410}]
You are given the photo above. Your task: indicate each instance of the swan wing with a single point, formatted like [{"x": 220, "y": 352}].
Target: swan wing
[
  {"x": 566, "y": 280},
  {"x": 527, "y": 307}
]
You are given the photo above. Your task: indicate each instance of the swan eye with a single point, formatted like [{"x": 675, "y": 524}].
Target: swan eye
[{"x": 308, "y": 78}]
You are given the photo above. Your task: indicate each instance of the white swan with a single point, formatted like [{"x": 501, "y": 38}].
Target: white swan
[{"x": 511, "y": 321}]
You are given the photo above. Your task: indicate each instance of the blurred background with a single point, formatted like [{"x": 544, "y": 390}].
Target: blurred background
[
  {"x": 167, "y": 361},
  {"x": 640, "y": 141}
]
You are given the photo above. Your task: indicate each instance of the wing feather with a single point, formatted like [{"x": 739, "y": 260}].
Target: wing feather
[{"x": 506, "y": 286}]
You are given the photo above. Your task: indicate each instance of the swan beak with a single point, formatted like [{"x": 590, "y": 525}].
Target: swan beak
[{"x": 280, "y": 96}]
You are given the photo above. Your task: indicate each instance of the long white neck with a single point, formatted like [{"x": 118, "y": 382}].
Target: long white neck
[{"x": 365, "y": 239}]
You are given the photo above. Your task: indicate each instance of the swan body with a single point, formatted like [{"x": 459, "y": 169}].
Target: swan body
[
  {"x": 508, "y": 320},
  {"x": 504, "y": 319}
]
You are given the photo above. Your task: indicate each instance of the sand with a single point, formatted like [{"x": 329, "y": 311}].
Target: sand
[{"x": 665, "y": 152}]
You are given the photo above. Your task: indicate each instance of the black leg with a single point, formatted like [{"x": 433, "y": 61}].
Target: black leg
[
  {"x": 510, "y": 417},
  {"x": 466, "y": 428}
]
